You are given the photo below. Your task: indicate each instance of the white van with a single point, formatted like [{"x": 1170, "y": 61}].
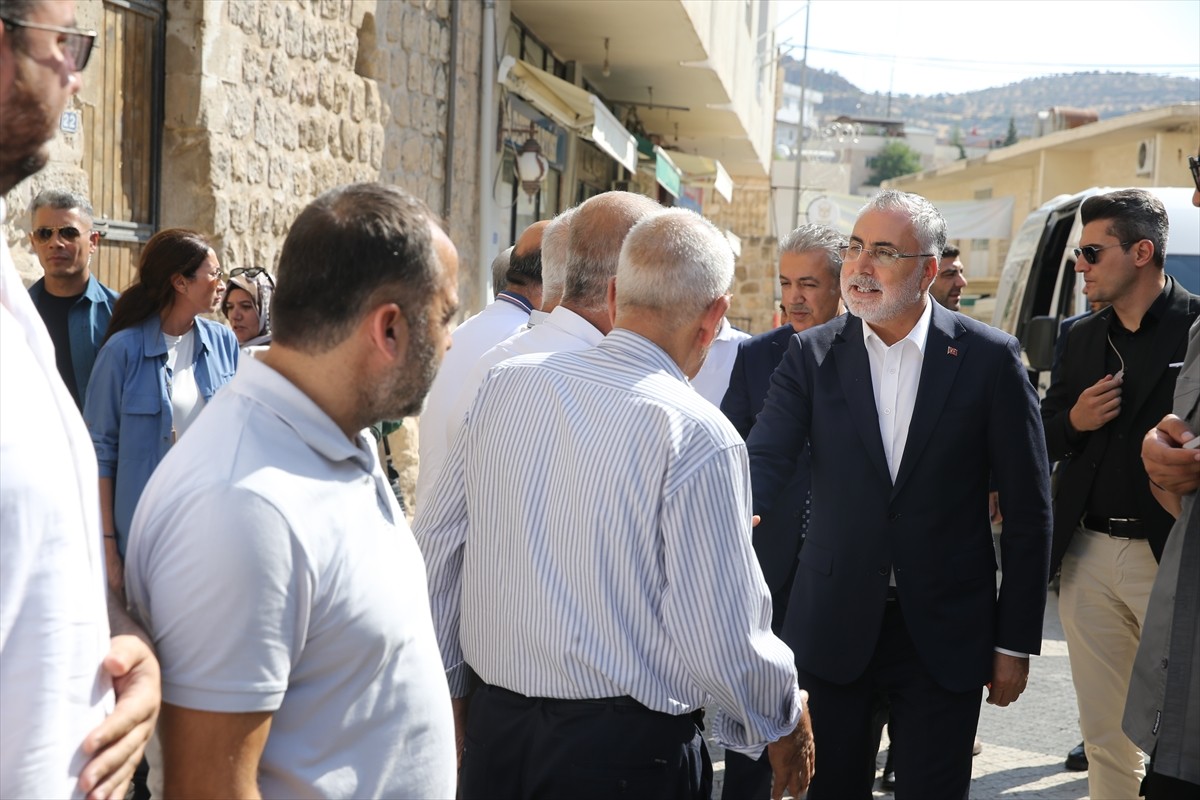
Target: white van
[{"x": 1038, "y": 287}]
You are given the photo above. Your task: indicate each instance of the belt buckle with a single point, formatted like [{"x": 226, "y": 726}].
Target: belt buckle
[{"x": 1113, "y": 522}]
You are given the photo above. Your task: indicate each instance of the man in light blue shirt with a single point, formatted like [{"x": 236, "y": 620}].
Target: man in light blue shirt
[{"x": 606, "y": 592}]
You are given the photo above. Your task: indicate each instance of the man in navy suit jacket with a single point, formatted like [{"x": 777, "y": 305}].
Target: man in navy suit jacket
[
  {"x": 810, "y": 263},
  {"x": 896, "y": 585}
]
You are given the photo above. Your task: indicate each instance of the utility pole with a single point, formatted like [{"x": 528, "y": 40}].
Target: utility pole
[{"x": 800, "y": 131}]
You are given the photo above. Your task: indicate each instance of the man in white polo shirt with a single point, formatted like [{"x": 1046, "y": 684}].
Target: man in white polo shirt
[{"x": 268, "y": 557}]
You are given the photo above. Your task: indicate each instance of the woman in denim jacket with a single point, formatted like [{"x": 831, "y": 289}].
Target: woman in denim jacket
[{"x": 160, "y": 364}]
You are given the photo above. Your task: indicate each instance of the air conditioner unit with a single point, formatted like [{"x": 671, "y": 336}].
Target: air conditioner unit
[{"x": 1145, "y": 157}]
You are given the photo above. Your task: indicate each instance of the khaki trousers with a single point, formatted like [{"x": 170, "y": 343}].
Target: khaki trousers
[{"x": 1103, "y": 595}]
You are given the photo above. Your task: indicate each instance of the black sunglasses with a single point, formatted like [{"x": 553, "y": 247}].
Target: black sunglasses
[
  {"x": 1091, "y": 253},
  {"x": 251, "y": 272},
  {"x": 69, "y": 233},
  {"x": 77, "y": 43},
  {"x": 1194, "y": 166}
]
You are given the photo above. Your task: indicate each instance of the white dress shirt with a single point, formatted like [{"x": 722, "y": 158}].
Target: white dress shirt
[
  {"x": 618, "y": 562},
  {"x": 713, "y": 378},
  {"x": 895, "y": 376},
  {"x": 499, "y": 320},
  {"x": 563, "y": 331}
]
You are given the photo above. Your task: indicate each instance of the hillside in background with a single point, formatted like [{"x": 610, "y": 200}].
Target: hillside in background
[{"x": 983, "y": 115}]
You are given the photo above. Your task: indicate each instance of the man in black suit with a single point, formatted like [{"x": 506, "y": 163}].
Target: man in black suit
[
  {"x": 1116, "y": 381},
  {"x": 896, "y": 585},
  {"x": 810, "y": 262}
]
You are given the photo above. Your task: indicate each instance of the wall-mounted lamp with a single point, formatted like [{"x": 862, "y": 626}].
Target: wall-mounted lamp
[
  {"x": 604, "y": 70},
  {"x": 531, "y": 165}
]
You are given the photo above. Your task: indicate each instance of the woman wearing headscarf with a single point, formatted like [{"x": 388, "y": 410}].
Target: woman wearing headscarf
[
  {"x": 160, "y": 364},
  {"x": 247, "y": 306}
]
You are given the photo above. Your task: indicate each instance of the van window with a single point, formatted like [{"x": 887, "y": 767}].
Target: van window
[{"x": 1186, "y": 269}]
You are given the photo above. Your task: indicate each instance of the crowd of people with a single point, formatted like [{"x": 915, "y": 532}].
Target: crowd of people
[{"x": 633, "y": 522}]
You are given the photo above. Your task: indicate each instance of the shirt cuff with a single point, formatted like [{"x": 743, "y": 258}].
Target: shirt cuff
[{"x": 1012, "y": 653}]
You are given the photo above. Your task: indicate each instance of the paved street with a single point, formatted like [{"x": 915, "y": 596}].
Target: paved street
[{"x": 1024, "y": 745}]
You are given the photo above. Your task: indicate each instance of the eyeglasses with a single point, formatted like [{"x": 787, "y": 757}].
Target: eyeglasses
[
  {"x": 1194, "y": 166},
  {"x": 69, "y": 233},
  {"x": 251, "y": 272},
  {"x": 886, "y": 256},
  {"x": 1091, "y": 253},
  {"x": 77, "y": 43}
]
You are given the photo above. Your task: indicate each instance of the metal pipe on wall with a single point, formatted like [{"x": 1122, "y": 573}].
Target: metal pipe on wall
[
  {"x": 487, "y": 140},
  {"x": 451, "y": 119}
]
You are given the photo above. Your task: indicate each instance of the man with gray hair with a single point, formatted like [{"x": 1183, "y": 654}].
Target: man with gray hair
[
  {"x": 607, "y": 596},
  {"x": 810, "y": 262},
  {"x": 886, "y": 397},
  {"x": 74, "y": 305},
  {"x": 581, "y": 320},
  {"x": 500, "y": 271},
  {"x": 555, "y": 243}
]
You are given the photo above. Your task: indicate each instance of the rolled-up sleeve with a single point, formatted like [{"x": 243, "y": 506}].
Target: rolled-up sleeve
[{"x": 717, "y": 608}]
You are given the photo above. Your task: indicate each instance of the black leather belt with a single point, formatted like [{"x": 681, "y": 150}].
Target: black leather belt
[{"x": 1116, "y": 527}]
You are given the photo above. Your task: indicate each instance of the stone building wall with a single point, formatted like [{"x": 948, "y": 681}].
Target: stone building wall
[
  {"x": 754, "y": 284},
  {"x": 269, "y": 103},
  {"x": 755, "y": 278}
]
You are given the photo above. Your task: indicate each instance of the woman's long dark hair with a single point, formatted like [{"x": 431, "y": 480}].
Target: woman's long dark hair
[{"x": 171, "y": 252}]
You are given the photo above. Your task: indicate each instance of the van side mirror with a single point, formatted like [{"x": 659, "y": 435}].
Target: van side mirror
[{"x": 1038, "y": 341}]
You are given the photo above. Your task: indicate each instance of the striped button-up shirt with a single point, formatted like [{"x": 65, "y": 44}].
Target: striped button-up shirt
[{"x": 618, "y": 560}]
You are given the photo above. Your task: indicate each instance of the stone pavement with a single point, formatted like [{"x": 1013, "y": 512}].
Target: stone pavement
[{"x": 1024, "y": 745}]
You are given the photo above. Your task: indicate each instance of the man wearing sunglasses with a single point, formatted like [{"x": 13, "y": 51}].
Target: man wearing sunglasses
[
  {"x": 74, "y": 305},
  {"x": 1117, "y": 379},
  {"x": 61, "y": 736}
]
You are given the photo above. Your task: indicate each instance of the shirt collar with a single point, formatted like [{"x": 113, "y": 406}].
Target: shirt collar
[
  {"x": 155, "y": 344},
  {"x": 918, "y": 334},
  {"x": 571, "y": 323},
  {"x": 1153, "y": 313},
  {"x": 516, "y": 299},
  {"x": 626, "y": 341},
  {"x": 93, "y": 291},
  {"x": 261, "y": 384}
]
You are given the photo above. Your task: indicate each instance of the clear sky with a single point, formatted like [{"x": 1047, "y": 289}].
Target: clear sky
[{"x": 931, "y": 46}]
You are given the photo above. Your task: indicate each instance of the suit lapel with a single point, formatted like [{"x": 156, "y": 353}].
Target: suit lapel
[
  {"x": 854, "y": 373},
  {"x": 945, "y": 350}
]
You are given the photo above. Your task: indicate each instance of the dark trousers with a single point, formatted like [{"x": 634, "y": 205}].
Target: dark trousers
[
  {"x": 1156, "y": 786},
  {"x": 746, "y": 778},
  {"x": 934, "y": 728},
  {"x": 530, "y": 747}
]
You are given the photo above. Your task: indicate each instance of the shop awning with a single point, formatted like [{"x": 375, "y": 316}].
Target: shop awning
[
  {"x": 571, "y": 107},
  {"x": 666, "y": 173},
  {"x": 701, "y": 168}
]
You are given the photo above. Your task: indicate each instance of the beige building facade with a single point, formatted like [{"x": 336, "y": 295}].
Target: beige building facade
[{"x": 1147, "y": 148}]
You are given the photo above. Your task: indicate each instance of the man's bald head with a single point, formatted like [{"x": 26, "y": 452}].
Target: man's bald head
[
  {"x": 598, "y": 230},
  {"x": 530, "y": 239},
  {"x": 524, "y": 276}
]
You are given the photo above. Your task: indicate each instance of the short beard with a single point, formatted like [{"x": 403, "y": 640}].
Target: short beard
[
  {"x": 402, "y": 394},
  {"x": 901, "y": 299},
  {"x": 25, "y": 128}
]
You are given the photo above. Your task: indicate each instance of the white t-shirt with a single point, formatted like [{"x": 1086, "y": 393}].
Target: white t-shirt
[
  {"x": 53, "y": 617},
  {"x": 186, "y": 400},
  {"x": 275, "y": 572}
]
